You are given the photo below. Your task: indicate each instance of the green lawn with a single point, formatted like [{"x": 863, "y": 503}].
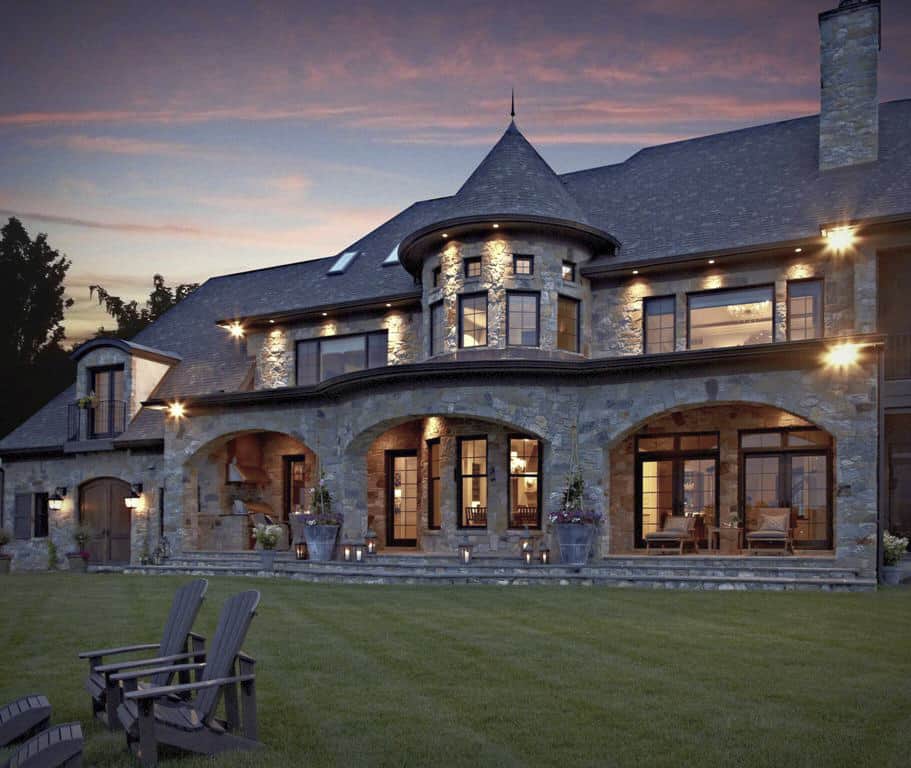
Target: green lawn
[{"x": 511, "y": 676}]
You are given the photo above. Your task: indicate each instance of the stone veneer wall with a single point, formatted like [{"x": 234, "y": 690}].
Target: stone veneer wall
[
  {"x": 44, "y": 475},
  {"x": 724, "y": 419},
  {"x": 496, "y": 280},
  {"x": 849, "y": 297}
]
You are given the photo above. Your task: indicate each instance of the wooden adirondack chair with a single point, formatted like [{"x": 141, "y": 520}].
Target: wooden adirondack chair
[
  {"x": 23, "y": 718},
  {"x": 151, "y": 716},
  {"x": 177, "y": 644},
  {"x": 57, "y": 747}
]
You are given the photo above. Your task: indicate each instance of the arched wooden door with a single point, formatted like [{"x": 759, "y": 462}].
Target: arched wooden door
[{"x": 102, "y": 507}]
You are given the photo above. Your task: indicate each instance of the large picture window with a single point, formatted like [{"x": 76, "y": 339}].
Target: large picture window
[
  {"x": 324, "y": 358},
  {"x": 522, "y": 319},
  {"x": 658, "y": 324},
  {"x": 524, "y": 482},
  {"x": 472, "y": 471},
  {"x": 731, "y": 318},
  {"x": 437, "y": 328},
  {"x": 805, "y": 310},
  {"x": 473, "y": 320},
  {"x": 567, "y": 324}
]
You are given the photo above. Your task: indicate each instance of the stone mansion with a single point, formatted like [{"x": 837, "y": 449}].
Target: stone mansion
[{"x": 713, "y": 327}]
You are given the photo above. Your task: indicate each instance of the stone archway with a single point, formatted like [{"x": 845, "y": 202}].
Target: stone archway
[{"x": 103, "y": 510}]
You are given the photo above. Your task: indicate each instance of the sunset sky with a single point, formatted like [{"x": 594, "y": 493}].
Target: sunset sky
[{"x": 195, "y": 139}]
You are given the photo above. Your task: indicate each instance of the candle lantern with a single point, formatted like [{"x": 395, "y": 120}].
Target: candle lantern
[
  {"x": 465, "y": 552},
  {"x": 359, "y": 552},
  {"x": 300, "y": 550},
  {"x": 347, "y": 551},
  {"x": 370, "y": 540},
  {"x": 527, "y": 545},
  {"x": 527, "y": 555},
  {"x": 545, "y": 556}
]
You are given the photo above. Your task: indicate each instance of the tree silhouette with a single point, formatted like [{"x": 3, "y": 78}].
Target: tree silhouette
[{"x": 130, "y": 316}]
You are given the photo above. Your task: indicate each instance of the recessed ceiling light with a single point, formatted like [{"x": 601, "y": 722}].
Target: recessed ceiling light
[
  {"x": 445, "y": 235},
  {"x": 325, "y": 314},
  {"x": 496, "y": 226},
  {"x": 635, "y": 271},
  {"x": 798, "y": 250},
  {"x": 711, "y": 261},
  {"x": 271, "y": 322},
  {"x": 388, "y": 305}
]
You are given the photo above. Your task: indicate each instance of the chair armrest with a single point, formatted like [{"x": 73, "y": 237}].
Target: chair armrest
[
  {"x": 151, "y": 671},
  {"x": 114, "y": 651},
  {"x": 168, "y": 690},
  {"x": 140, "y": 663},
  {"x": 241, "y": 656}
]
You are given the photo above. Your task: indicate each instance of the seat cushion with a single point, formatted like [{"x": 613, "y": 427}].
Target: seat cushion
[
  {"x": 777, "y": 521},
  {"x": 677, "y": 523},
  {"x": 666, "y": 536},
  {"x": 767, "y": 535}
]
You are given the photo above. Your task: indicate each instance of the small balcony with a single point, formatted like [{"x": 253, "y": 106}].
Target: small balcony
[{"x": 103, "y": 420}]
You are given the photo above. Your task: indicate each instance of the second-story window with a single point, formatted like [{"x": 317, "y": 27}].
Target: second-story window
[
  {"x": 473, "y": 267},
  {"x": 437, "y": 328},
  {"x": 658, "y": 325},
  {"x": 731, "y": 318},
  {"x": 568, "y": 271},
  {"x": 805, "y": 299},
  {"x": 567, "y": 324},
  {"x": 473, "y": 320},
  {"x": 523, "y": 265},
  {"x": 324, "y": 358},
  {"x": 522, "y": 319},
  {"x": 107, "y": 415}
]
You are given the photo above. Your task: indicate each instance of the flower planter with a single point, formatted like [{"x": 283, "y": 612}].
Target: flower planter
[
  {"x": 321, "y": 541},
  {"x": 76, "y": 563},
  {"x": 5, "y": 563},
  {"x": 575, "y": 542},
  {"x": 892, "y": 575},
  {"x": 267, "y": 556}
]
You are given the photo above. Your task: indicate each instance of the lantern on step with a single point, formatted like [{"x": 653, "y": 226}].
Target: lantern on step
[
  {"x": 370, "y": 541},
  {"x": 545, "y": 555},
  {"x": 347, "y": 551},
  {"x": 527, "y": 555},
  {"x": 465, "y": 552},
  {"x": 359, "y": 553},
  {"x": 527, "y": 545},
  {"x": 300, "y": 550}
]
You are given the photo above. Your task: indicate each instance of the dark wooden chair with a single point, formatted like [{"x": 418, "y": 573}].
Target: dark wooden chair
[
  {"x": 153, "y": 717},
  {"x": 525, "y": 516},
  {"x": 57, "y": 747},
  {"x": 178, "y": 643},
  {"x": 23, "y": 718},
  {"x": 475, "y": 517}
]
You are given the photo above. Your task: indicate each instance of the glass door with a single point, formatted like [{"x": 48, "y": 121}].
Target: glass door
[
  {"x": 402, "y": 481},
  {"x": 657, "y": 495}
]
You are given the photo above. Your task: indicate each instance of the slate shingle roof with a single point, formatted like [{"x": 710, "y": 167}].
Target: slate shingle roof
[{"x": 749, "y": 187}]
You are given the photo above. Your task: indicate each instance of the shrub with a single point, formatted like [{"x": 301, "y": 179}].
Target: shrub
[
  {"x": 894, "y": 548},
  {"x": 53, "y": 559},
  {"x": 81, "y": 535},
  {"x": 5, "y": 537},
  {"x": 267, "y": 535}
]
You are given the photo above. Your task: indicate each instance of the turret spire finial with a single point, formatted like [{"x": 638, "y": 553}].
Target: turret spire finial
[{"x": 512, "y": 107}]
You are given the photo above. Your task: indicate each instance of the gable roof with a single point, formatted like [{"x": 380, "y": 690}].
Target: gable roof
[{"x": 743, "y": 188}]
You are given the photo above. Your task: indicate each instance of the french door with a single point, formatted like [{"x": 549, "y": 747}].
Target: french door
[
  {"x": 675, "y": 485},
  {"x": 402, "y": 498}
]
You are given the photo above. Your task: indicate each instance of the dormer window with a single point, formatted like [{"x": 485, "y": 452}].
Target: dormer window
[
  {"x": 523, "y": 265},
  {"x": 568, "y": 272},
  {"x": 107, "y": 408},
  {"x": 472, "y": 267}
]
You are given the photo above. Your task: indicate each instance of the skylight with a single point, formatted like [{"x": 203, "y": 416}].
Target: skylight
[
  {"x": 342, "y": 263},
  {"x": 393, "y": 257}
]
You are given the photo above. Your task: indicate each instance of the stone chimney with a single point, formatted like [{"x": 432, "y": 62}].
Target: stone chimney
[{"x": 849, "y": 108}]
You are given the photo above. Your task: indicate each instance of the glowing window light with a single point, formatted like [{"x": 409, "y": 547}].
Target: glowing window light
[{"x": 839, "y": 238}]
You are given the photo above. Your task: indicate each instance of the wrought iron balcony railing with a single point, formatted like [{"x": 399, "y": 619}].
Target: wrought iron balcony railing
[{"x": 103, "y": 419}]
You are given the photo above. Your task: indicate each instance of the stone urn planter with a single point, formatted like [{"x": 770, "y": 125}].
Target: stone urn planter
[
  {"x": 5, "y": 563},
  {"x": 76, "y": 562},
  {"x": 321, "y": 541},
  {"x": 575, "y": 541},
  {"x": 267, "y": 559},
  {"x": 892, "y": 575}
]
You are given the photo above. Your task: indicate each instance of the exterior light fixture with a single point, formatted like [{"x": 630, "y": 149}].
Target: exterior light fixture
[
  {"x": 300, "y": 550},
  {"x": 445, "y": 235},
  {"x": 711, "y": 261},
  {"x": 465, "y": 552},
  {"x": 496, "y": 226},
  {"x": 359, "y": 553},
  {"x": 133, "y": 499},
  {"x": 635, "y": 271},
  {"x": 527, "y": 546},
  {"x": 177, "y": 410},
  {"x": 347, "y": 551},
  {"x": 325, "y": 314},
  {"x": 271, "y": 322},
  {"x": 798, "y": 250},
  {"x": 842, "y": 355},
  {"x": 545, "y": 555},
  {"x": 388, "y": 304},
  {"x": 236, "y": 330},
  {"x": 370, "y": 541},
  {"x": 527, "y": 556},
  {"x": 55, "y": 500},
  {"x": 839, "y": 238}
]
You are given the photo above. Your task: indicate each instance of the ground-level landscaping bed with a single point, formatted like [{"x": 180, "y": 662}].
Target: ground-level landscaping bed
[{"x": 507, "y": 676}]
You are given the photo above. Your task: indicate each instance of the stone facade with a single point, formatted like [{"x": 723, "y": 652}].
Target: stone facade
[{"x": 849, "y": 114}]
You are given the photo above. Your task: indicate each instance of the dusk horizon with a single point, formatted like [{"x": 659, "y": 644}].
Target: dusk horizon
[{"x": 194, "y": 145}]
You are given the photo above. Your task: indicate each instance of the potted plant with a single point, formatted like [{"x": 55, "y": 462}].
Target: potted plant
[
  {"x": 5, "y": 559},
  {"x": 267, "y": 537},
  {"x": 321, "y": 524},
  {"x": 77, "y": 559},
  {"x": 574, "y": 523},
  {"x": 894, "y": 548},
  {"x": 89, "y": 401}
]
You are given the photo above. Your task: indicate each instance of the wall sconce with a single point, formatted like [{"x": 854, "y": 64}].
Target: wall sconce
[
  {"x": 842, "y": 355},
  {"x": 839, "y": 239},
  {"x": 300, "y": 550},
  {"x": 370, "y": 541},
  {"x": 545, "y": 556},
  {"x": 55, "y": 500},
  {"x": 132, "y": 501},
  {"x": 465, "y": 552}
]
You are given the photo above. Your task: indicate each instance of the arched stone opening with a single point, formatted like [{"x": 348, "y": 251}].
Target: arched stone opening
[
  {"x": 233, "y": 481},
  {"x": 723, "y": 464}
]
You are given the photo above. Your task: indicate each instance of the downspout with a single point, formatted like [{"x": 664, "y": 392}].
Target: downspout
[
  {"x": 880, "y": 453},
  {"x": 2, "y": 496}
]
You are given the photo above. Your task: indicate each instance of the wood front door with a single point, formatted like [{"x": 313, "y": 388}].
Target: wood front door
[
  {"x": 102, "y": 507},
  {"x": 900, "y": 490},
  {"x": 402, "y": 498}
]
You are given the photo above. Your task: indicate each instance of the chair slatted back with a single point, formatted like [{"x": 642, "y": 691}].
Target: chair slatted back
[
  {"x": 187, "y": 602},
  {"x": 233, "y": 623}
]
